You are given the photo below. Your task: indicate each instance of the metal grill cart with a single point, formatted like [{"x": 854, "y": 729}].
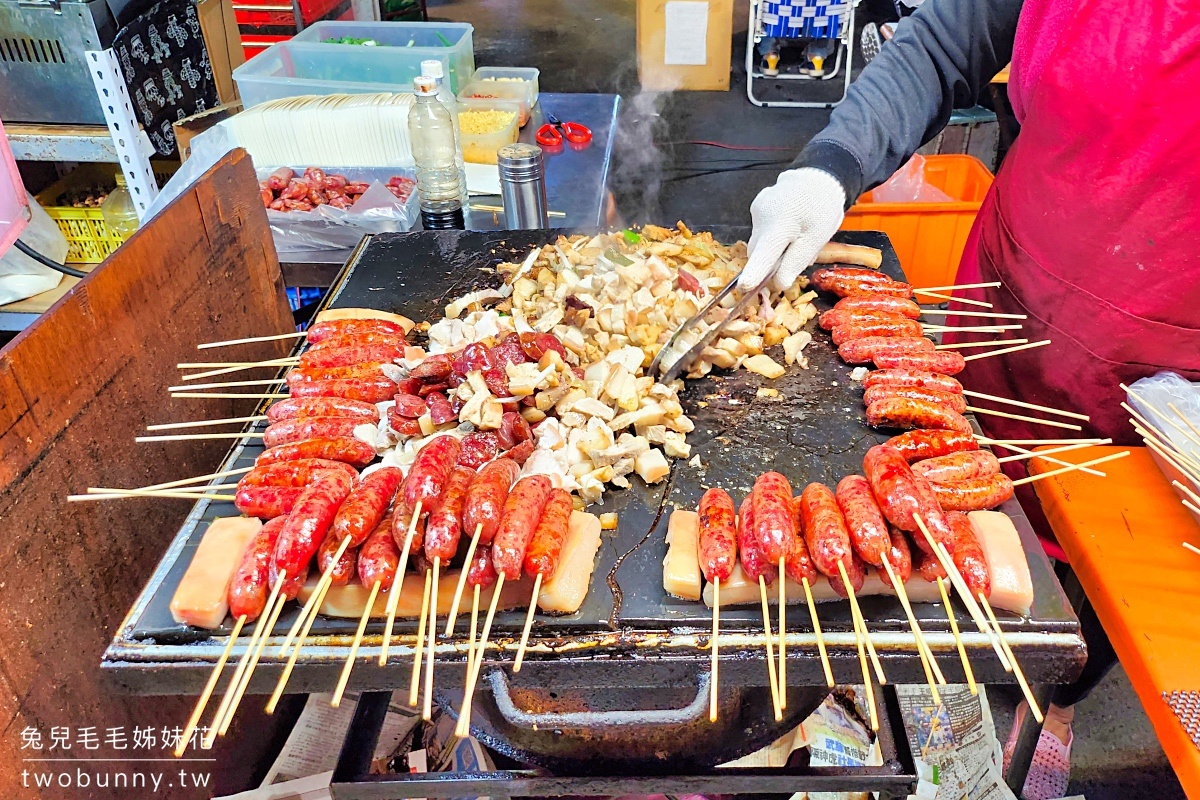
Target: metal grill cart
[
  {"x": 800, "y": 20},
  {"x": 611, "y": 699}
]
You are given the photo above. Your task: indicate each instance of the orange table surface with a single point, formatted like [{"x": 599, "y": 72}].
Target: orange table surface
[{"x": 1124, "y": 537}]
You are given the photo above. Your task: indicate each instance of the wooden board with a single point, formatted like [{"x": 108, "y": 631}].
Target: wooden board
[
  {"x": 717, "y": 46},
  {"x": 77, "y": 386}
]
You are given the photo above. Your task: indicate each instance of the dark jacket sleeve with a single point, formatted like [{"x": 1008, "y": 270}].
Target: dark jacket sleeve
[{"x": 941, "y": 58}]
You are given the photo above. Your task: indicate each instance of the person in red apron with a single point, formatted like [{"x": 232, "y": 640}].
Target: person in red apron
[{"x": 1092, "y": 225}]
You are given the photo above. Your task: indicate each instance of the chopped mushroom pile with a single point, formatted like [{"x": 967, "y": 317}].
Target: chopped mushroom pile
[{"x": 550, "y": 367}]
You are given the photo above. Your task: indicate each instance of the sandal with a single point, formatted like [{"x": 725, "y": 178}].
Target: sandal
[{"x": 1050, "y": 771}]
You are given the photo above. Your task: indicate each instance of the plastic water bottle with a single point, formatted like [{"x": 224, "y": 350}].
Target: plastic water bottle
[
  {"x": 431, "y": 131},
  {"x": 118, "y": 211},
  {"x": 432, "y": 68}
]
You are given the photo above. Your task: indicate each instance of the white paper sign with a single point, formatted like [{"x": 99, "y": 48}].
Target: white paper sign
[{"x": 686, "y": 33}]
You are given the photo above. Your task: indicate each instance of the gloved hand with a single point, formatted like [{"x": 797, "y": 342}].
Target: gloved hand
[{"x": 792, "y": 222}]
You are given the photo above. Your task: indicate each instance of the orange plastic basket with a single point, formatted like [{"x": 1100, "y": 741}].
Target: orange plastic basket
[{"x": 929, "y": 237}]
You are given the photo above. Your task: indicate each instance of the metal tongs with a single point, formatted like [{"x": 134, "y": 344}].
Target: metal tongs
[{"x": 684, "y": 361}]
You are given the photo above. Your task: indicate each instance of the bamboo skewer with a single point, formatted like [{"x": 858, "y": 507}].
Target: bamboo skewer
[
  {"x": 1021, "y": 417},
  {"x": 856, "y": 612},
  {"x": 782, "y": 635},
  {"x": 1148, "y": 432},
  {"x": 126, "y": 494},
  {"x": 474, "y": 626},
  {"x": 866, "y": 673},
  {"x": 970, "y": 328},
  {"x": 991, "y": 353},
  {"x": 923, "y": 649},
  {"x": 211, "y": 364},
  {"x": 192, "y": 387},
  {"x": 199, "y": 478},
  {"x": 462, "y": 580},
  {"x": 1007, "y": 442},
  {"x": 354, "y": 645},
  {"x": 956, "y": 286},
  {"x": 812, "y": 610},
  {"x": 313, "y": 605},
  {"x": 1017, "y": 671},
  {"x": 992, "y": 343},
  {"x": 235, "y": 366},
  {"x": 226, "y": 396},
  {"x": 204, "y": 423},
  {"x": 714, "y": 660},
  {"x": 958, "y": 642},
  {"x": 205, "y": 695},
  {"x": 1195, "y": 497},
  {"x": 280, "y": 602},
  {"x": 319, "y": 592},
  {"x": 427, "y": 708},
  {"x": 1071, "y": 468},
  {"x": 1023, "y": 454},
  {"x": 414, "y": 687},
  {"x": 1031, "y": 406},
  {"x": 187, "y": 437},
  {"x": 949, "y": 312},
  {"x": 771, "y": 674},
  {"x": 464, "y": 715},
  {"x": 1190, "y": 546},
  {"x": 1191, "y": 471},
  {"x": 248, "y": 340},
  {"x": 398, "y": 585},
  {"x": 1187, "y": 434},
  {"x": 537, "y": 588},
  {"x": 948, "y": 299}
]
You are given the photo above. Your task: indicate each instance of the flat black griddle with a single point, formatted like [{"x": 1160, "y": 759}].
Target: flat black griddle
[{"x": 815, "y": 431}]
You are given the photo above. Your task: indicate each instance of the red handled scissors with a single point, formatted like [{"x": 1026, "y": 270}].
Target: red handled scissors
[{"x": 554, "y": 131}]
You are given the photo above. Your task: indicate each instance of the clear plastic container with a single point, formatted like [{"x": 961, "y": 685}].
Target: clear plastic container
[
  {"x": 292, "y": 70},
  {"x": 519, "y": 84},
  {"x": 480, "y": 143},
  {"x": 401, "y": 46}
]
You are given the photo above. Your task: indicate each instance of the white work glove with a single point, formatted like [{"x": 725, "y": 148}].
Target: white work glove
[{"x": 792, "y": 222}]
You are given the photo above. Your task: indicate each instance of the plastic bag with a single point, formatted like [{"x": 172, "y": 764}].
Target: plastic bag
[
  {"x": 908, "y": 185},
  {"x": 1154, "y": 397},
  {"x": 20, "y": 275}
]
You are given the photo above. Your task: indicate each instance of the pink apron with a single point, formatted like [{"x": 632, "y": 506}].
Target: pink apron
[{"x": 1093, "y": 223}]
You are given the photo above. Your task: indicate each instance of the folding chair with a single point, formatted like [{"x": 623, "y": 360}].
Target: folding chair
[{"x": 800, "y": 19}]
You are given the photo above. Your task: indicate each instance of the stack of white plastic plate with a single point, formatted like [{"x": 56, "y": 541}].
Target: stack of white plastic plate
[{"x": 1168, "y": 419}]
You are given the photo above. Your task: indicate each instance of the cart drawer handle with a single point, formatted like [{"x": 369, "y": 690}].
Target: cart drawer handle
[{"x": 692, "y": 712}]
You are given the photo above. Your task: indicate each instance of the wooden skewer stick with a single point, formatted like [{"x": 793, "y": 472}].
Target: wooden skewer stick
[
  {"x": 199, "y": 478},
  {"x": 319, "y": 592},
  {"x": 958, "y": 642},
  {"x": 414, "y": 687},
  {"x": 474, "y": 626},
  {"x": 1071, "y": 468},
  {"x": 354, "y": 645},
  {"x": 226, "y": 396},
  {"x": 427, "y": 708},
  {"x": 949, "y": 312},
  {"x": 782, "y": 635},
  {"x": 270, "y": 362},
  {"x": 948, "y": 299},
  {"x": 714, "y": 659},
  {"x": 398, "y": 585},
  {"x": 248, "y": 675},
  {"x": 237, "y": 366},
  {"x": 1053, "y": 423},
  {"x": 1188, "y": 434},
  {"x": 918, "y": 639},
  {"x": 462, "y": 580},
  {"x": 1187, "y": 490},
  {"x": 178, "y": 491},
  {"x": 313, "y": 605},
  {"x": 533, "y": 599},
  {"x": 1148, "y": 431},
  {"x": 1176, "y": 461},
  {"x": 953, "y": 287},
  {"x": 1192, "y": 547},
  {"x": 187, "y": 437},
  {"x": 192, "y": 387},
  {"x": 1017, "y": 671},
  {"x": 1002, "y": 352},
  {"x": 464, "y": 715},
  {"x": 856, "y": 612},
  {"x": 869, "y": 687},
  {"x": 1023, "y": 454},
  {"x": 1032, "y": 406},
  {"x": 960, "y": 585},
  {"x": 205, "y": 695},
  {"x": 1006, "y": 442},
  {"x": 771, "y": 675},
  {"x": 812, "y": 610},
  {"x": 970, "y": 328},
  {"x": 126, "y": 494},
  {"x": 227, "y": 343},
  {"x": 991, "y": 343},
  {"x": 1192, "y": 508},
  {"x": 1158, "y": 442},
  {"x": 204, "y": 423}
]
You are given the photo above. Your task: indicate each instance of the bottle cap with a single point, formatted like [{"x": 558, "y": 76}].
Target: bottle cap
[
  {"x": 425, "y": 86},
  {"x": 432, "y": 68}
]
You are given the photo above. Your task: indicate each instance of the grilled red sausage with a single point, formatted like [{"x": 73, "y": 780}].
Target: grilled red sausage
[
  {"x": 349, "y": 355},
  {"x": 864, "y": 520},
  {"x": 928, "y": 566},
  {"x": 429, "y": 473},
  {"x": 345, "y": 568},
  {"x": 905, "y": 412},
  {"x": 251, "y": 585},
  {"x": 306, "y": 527},
  {"x": 856, "y": 572},
  {"x": 774, "y": 518},
  {"x": 968, "y": 555},
  {"x": 912, "y": 379},
  {"x": 379, "y": 558},
  {"x": 401, "y": 522},
  {"x": 861, "y": 329},
  {"x": 864, "y": 351},
  {"x": 356, "y": 340},
  {"x": 485, "y": 498},
  {"x": 825, "y": 277},
  {"x": 718, "y": 535},
  {"x": 522, "y": 512},
  {"x": 545, "y": 548},
  {"x": 838, "y": 317},
  {"x": 351, "y": 327},
  {"x": 948, "y": 400},
  {"x": 899, "y": 556},
  {"x": 851, "y": 288},
  {"x": 297, "y": 473},
  {"x": 444, "y": 528},
  {"x": 367, "y": 505},
  {"x": 366, "y": 371},
  {"x": 294, "y": 407},
  {"x": 923, "y": 444},
  {"x": 825, "y": 530},
  {"x": 482, "y": 572},
  {"x": 297, "y": 430},
  {"x": 958, "y": 466},
  {"x": 901, "y": 494},
  {"x": 754, "y": 563},
  {"x": 373, "y": 390},
  {"x": 266, "y": 502},
  {"x": 974, "y": 494},
  {"x": 879, "y": 305},
  {"x": 799, "y": 565},
  {"x": 946, "y": 362},
  {"x": 344, "y": 449}
]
